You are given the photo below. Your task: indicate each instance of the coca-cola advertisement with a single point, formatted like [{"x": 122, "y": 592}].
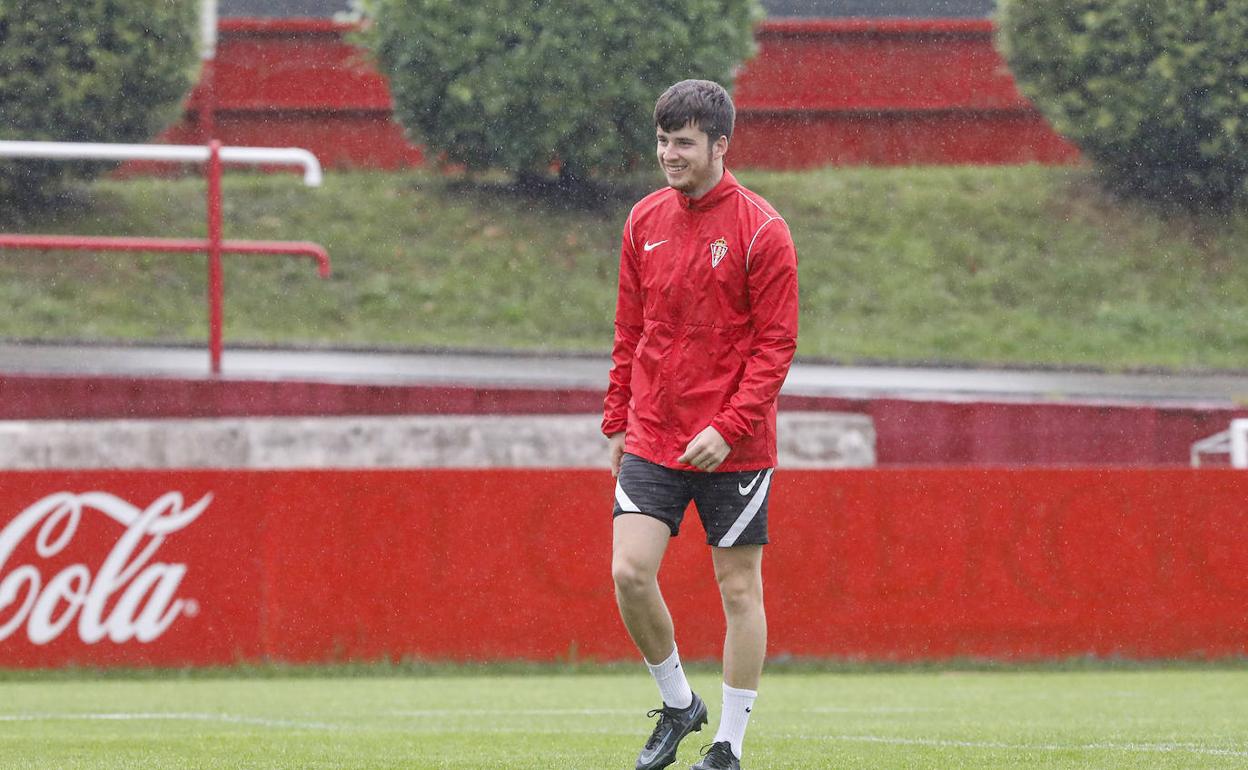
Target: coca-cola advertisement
[
  {"x": 133, "y": 568},
  {"x": 216, "y": 567}
]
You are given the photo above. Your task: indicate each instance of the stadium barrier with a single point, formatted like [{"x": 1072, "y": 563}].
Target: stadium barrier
[
  {"x": 908, "y": 432},
  {"x": 183, "y": 567},
  {"x": 213, "y": 155}
]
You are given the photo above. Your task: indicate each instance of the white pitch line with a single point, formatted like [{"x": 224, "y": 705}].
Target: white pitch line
[
  {"x": 507, "y": 712},
  {"x": 633, "y": 712},
  {"x": 1125, "y": 748},
  {"x": 170, "y": 716},
  {"x": 1153, "y": 748},
  {"x": 864, "y": 710}
]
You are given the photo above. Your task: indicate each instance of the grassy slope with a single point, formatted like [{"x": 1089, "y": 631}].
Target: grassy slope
[
  {"x": 815, "y": 721},
  {"x": 990, "y": 265}
]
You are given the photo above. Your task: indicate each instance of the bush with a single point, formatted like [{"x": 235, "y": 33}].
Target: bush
[
  {"x": 522, "y": 84},
  {"x": 99, "y": 71},
  {"x": 1155, "y": 92}
]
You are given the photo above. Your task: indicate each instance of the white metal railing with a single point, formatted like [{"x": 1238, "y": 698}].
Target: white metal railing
[
  {"x": 214, "y": 246},
  {"x": 1232, "y": 441},
  {"x": 175, "y": 153}
]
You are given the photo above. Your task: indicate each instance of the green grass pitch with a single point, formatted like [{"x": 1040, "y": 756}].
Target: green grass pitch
[{"x": 1167, "y": 717}]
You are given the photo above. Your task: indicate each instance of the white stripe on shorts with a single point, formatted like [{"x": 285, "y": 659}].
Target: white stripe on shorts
[
  {"x": 743, "y": 521},
  {"x": 625, "y": 504}
]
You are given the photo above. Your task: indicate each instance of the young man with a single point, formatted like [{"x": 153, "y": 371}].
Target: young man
[{"x": 705, "y": 329}]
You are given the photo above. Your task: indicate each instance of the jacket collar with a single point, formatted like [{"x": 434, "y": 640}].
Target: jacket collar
[{"x": 714, "y": 196}]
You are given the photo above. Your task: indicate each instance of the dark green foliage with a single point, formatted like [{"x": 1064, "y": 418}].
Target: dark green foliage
[
  {"x": 87, "y": 71},
  {"x": 522, "y": 84},
  {"x": 1154, "y": 91}
]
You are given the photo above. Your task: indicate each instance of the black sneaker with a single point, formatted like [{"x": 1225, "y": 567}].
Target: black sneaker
[
  {"x": 674, "y": 724},
  {"x": 718, "y": 756}
]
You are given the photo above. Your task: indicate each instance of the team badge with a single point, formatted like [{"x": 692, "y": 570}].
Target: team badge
[{"x": 719, "y": 250}]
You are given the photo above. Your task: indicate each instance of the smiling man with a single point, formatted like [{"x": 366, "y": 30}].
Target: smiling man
[{"x": 705, "y": 330}]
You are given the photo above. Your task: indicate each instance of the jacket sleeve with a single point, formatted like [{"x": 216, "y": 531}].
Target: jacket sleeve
[
  {"x": 628, "y": 326},
  {"x": 772, "y": 279}
]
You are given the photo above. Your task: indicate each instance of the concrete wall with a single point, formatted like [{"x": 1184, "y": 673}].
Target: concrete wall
[
  {"x": 880, "y": 9},
  {"x": 807, "y": 440},
  {"x": 819, "y": 9}
]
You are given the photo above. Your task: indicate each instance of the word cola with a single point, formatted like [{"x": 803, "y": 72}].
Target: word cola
[{"x": 148, "y": 602}]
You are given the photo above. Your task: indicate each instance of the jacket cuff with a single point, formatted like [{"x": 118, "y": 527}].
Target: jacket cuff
[
  {"x": 611, "y": 426},
  {"x": 725, "y": 428}
]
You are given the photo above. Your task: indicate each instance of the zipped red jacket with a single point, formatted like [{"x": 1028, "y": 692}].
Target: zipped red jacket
[{"x": 705, "y": 325}]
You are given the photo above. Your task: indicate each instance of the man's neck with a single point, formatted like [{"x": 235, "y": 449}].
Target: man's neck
[{"x": 715, "y": 179}]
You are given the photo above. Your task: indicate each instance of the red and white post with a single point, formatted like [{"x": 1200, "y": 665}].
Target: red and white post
[
  {"x": 208, "y": 75},
  {"x": 216, "y": 278}
]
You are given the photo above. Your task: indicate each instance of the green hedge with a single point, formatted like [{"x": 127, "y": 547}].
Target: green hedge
[
  {"x": 88, "y": 71},
  {"x": 1155, "y": 92},
  {"x": 521, "y": 84}
]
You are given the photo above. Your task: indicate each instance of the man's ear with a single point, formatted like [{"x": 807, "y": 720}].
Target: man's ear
[{"x": 720, "y": 148}]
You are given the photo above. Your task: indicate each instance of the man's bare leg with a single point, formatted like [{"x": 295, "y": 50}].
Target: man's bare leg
[
  {"x": 638, "y": 546},
  {"x": 739, "y": 573}
]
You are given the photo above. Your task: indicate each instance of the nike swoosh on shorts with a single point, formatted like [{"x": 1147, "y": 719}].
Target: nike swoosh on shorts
[{"x": 746, "y": 489}]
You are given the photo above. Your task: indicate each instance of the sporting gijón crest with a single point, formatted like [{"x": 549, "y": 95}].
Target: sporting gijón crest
[{"x": 719, "y": 250}]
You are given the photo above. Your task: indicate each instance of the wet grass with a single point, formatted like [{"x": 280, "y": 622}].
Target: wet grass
[
  {"x": 919, "y": 720},
  {"x": 416, "y": 668},
  {"x": 1014, "y": 266}
]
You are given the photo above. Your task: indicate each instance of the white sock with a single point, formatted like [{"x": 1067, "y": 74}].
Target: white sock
[
  {"x": 736, "y": 715},
  {"x": 673, "y": 685}
]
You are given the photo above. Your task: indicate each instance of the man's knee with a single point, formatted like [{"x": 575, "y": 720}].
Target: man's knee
[
  {"x": 637, "y": 551},
  {"x": 742, "y": 592},
  {"x": 631, "y": 576}
]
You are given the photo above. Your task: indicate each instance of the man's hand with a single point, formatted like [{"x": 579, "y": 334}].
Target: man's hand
[
  {"x": 707, "y": 450},
  {"x": 616, "y": 449}
]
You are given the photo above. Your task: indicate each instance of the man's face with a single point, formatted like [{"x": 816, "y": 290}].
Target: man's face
[{"x": 689, "y": 159}]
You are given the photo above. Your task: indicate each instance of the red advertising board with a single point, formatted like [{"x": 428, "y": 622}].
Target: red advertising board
[{"x": 211, "y": 567}]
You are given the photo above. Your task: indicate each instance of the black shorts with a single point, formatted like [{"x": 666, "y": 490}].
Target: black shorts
[{"x": 732, "y": 506}]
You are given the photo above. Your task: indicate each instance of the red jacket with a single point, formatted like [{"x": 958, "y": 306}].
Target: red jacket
[{"x": 705, "y": 325}]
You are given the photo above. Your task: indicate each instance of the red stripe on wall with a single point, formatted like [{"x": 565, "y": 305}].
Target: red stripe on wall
[
  {"x": 876, "y": 66},
  {"x": 798, "y": 140},
  {"x": 36, "y": 397}
]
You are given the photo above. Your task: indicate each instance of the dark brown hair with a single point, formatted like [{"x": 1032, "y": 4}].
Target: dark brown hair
[{"x": 702, "y": 103}]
